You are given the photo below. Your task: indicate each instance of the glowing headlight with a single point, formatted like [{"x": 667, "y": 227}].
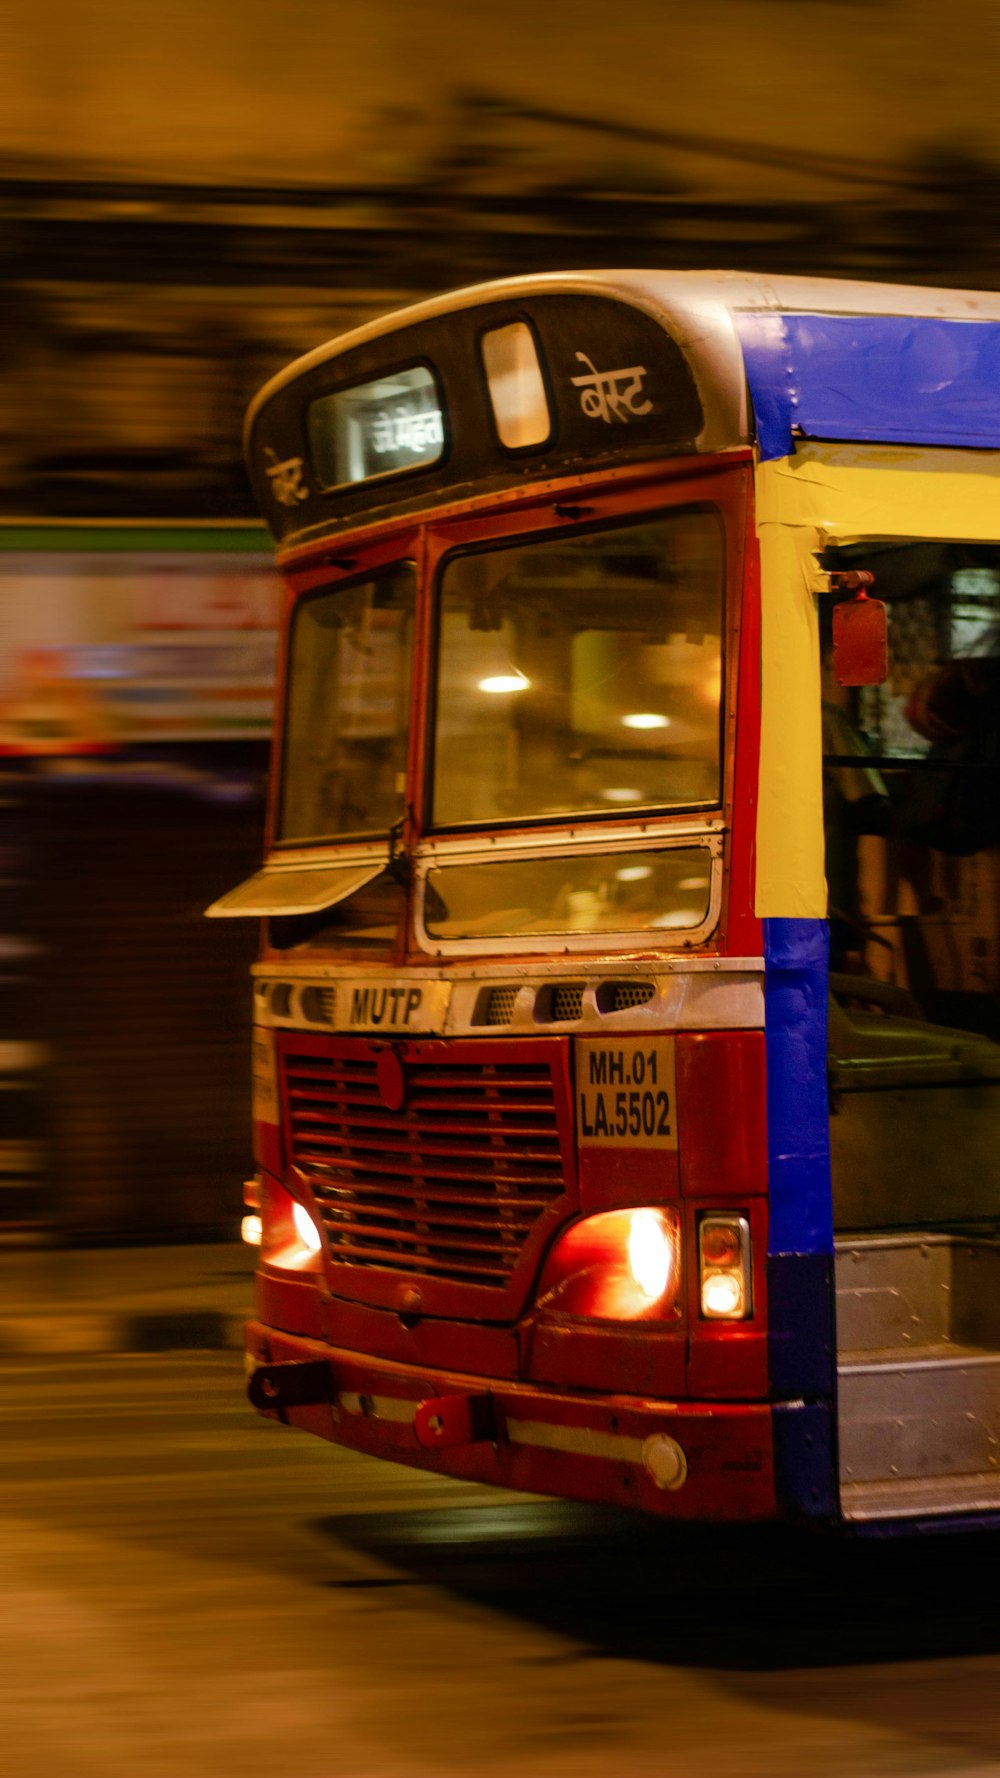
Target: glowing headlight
[
  {"x": 650, "y": 1253},
  {"x": 305, "y": 1228},
  {"x": 618, "y": 1265}
]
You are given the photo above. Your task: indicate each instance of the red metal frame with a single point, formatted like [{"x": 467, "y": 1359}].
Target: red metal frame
[
  {"x": 744, "y": 937},
  {"x": 724, "y": 480},
  {"x": 714, "y": 480}
]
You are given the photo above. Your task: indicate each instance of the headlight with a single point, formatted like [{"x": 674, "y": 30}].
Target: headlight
[
  {"x": 620, "y": 1265},
  {"x": 290, "y": 1237},
  {"x": 651, "y": 1252},
  {"x": 305, "y": 1227}
]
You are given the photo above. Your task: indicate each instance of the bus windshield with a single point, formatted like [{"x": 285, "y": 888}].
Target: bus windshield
[
  {"x": 343, "y": 768},
  {"x": 581, "y": 674}
]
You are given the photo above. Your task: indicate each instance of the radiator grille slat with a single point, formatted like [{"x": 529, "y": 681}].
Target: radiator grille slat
[
  {"x": 444, "y": 1234},
  {"x": 357, "y": 1145},
  {"x": 472, "y": 1271},
  {"x": 438, "y": 1209},
  {"x": 451, "y": 1186}
]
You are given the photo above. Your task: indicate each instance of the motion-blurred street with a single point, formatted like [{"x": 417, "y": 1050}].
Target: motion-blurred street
[
  {"x": 194, "y": 195},
  {"x": 189, "y": 1588}
]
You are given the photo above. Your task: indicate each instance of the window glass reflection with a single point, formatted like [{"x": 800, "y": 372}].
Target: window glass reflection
[
  {"x": 517, "y": 391},
  {"x": 582, "y": 673},
  {"x": 347, "y": 720},
  {"x": 646, "y": 891}
]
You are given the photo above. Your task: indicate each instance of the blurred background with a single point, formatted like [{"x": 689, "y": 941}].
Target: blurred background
[{"x": 194, "y": 193}]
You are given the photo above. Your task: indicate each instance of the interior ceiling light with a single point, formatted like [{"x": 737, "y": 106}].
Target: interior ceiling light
[
  {"x": 505, "y": 682},
  {"x": 646, "y": 719}
]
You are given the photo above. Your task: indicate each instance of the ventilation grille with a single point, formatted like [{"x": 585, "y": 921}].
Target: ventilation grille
[
  {"x": 566, "y": 1002},
  {"x": 499, "y": 1009},
  {"x": 449, "y": 1187},
  {"x": 618, "y": 996},
  {"x": 319, "y": 1005},
  {"x": 281, "y": 1000}
]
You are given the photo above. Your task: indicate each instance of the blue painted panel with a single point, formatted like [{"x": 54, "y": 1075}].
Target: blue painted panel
[
  {"x": 800, "y": 1338},
  {"x": 798, "y": 1120},
  {"x": 805, "y": 1477},
  {"x": 884, "y": 378}
]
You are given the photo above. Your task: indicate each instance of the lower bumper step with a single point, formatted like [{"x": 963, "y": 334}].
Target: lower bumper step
[{"x": 920, "y": 1497}]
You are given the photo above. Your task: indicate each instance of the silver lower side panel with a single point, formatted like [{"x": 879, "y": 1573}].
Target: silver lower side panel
[{"x": 918, "y": 1374}]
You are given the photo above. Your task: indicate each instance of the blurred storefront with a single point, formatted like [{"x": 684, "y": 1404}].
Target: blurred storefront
[{"x": 135, "y": 705}]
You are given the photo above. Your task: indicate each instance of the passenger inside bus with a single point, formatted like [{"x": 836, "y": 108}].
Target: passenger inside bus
[{"x": 912, "y": 811}]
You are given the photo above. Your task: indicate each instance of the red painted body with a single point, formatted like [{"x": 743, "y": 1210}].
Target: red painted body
[
  {"x": 591, "y": 1389},
  {"x": 728, "y": 1447}
]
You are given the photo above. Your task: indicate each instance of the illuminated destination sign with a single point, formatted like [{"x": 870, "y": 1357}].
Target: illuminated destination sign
[
  {"x": 492, "y": 394},
  {"x": 377, "y": 428}
]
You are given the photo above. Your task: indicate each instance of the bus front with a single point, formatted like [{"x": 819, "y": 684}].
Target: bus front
[{"x": 509, "y": 1053}]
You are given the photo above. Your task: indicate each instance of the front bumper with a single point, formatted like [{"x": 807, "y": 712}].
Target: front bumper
[{"x": 614, "y": 1448}]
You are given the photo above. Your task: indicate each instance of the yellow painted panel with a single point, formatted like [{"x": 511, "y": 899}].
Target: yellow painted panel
[
  {"x": 850, "y": 491},
  {"x": 833, "y": 493},
  {"x": 790, "y": 876}
]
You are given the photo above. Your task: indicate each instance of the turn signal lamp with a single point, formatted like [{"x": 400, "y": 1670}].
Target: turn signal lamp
[
  {"x": 252, "y": 1228},
  {"x": 724, "y": 1267},
  {"x": 621, "y": 1265}
]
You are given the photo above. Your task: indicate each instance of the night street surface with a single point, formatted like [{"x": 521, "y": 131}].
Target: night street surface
[{"x": 189, "y": 1589}]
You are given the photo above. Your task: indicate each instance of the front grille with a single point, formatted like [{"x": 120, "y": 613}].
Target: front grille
[{"x": 450, "y": 1186}]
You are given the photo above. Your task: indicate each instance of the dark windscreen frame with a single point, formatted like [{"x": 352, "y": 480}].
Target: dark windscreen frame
[{"x": 620, "y": 389}]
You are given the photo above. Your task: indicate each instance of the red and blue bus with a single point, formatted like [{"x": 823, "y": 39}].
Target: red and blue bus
[{"x": 627, "y": 1054}]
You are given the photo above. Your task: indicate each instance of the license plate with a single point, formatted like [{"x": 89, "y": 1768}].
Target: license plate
[{"x": 625, "y": 1092}]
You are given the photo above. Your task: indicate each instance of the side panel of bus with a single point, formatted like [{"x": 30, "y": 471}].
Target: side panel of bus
[{"x": 893, "y": 1047}]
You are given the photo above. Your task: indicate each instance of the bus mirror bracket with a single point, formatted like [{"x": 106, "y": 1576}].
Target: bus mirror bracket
[
  {"x": 860, "y": 630},
  {"x": 398, "y": 866}
]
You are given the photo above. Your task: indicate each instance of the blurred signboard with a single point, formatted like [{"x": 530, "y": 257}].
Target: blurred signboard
[{"x": 119, "y": 636}]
